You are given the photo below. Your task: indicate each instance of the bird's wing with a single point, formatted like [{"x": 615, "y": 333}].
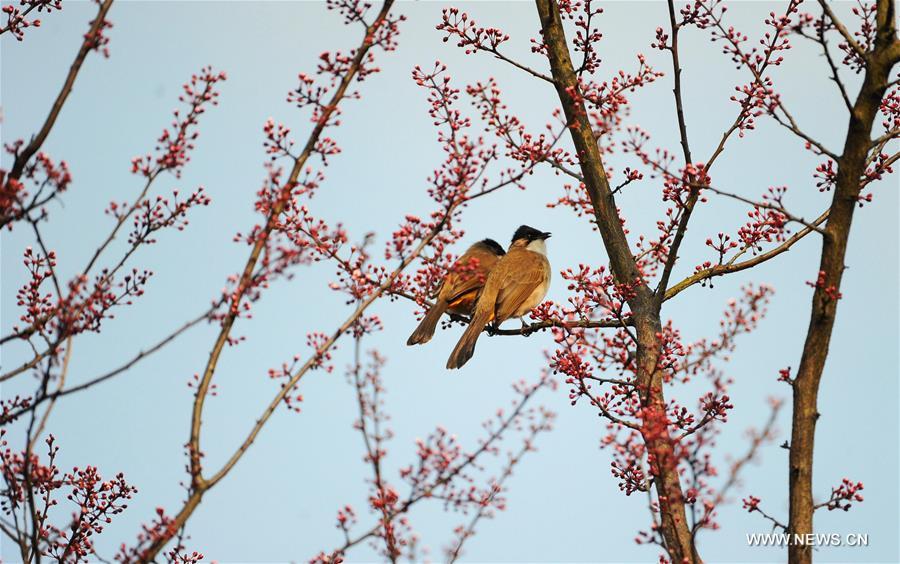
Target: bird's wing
[
  {"x": 524, "y": 273},
  {"x": 460, "y": 283}
]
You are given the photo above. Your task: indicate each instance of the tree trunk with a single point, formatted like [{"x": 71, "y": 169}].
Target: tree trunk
[
  {"x": 851, "y": 167},
  {"x": 645, "y": 308}
]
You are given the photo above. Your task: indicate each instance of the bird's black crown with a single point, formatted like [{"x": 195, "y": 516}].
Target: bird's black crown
[
  {"x": 529, "y": 234},
  {"x": 494, "y": 246}
]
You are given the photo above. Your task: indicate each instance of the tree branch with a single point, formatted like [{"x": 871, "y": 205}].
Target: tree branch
[
  {"x": 728, "y": 268},
  {"x": 851, "y": 167},
  {"x": 22, "y": 157},
  {"x": 688, "y": 208},
  {"x": 842, "y": 29}
]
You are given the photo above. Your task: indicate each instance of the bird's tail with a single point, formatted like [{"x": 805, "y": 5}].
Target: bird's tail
[
  {"x": 465, "y": 348},
  {"x": 425, "y": 330}
]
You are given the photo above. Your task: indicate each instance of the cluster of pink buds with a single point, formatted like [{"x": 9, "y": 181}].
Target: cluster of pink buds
[
  {"x": 162, "y": 527},
  {"x": 31, "y": 483},
  {"x": 49, "y": 180},
  {"x": 830, "y": 290},
  {"x": 844, "y": 495},
  {"x": 174, "y": 145},
  {"x": 470, "y": 37},
  {"x": 17, "y": 17},
  {"x": 151, "y": 216},
  {"x": 96, "y": 39}
]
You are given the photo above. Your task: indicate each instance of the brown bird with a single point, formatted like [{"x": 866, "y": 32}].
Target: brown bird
[
  {"x": 516, "y": 285},
  {"x": 460, "y": 287}
]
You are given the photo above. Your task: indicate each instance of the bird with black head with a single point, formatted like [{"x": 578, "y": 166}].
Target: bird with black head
[{"x": 515, "y": 286}]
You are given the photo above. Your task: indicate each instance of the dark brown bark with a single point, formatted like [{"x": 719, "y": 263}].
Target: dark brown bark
[
  {"x": 675, "y": 531},
  {"x": 851, "y": 166}
]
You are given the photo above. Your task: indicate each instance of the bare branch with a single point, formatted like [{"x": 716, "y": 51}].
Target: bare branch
[
  {"x": 688, "y": 208},
  {"x": 728, "y": 268},
  {"x": 22, "y": 157},
  {"x": 842, "y": 29},
  {"x": 766, "y": 205}
]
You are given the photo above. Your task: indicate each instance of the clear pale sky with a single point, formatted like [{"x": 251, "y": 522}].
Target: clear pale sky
[{"x": 280, "y": 501}]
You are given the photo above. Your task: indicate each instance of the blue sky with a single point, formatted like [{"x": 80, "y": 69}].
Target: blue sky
[{"x": 279, "y": 502}]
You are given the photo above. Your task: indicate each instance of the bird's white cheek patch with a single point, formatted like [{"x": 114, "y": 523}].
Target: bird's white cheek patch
[{"x": 537, "y": 246}]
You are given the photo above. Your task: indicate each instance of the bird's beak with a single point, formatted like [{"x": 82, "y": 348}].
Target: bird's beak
[{"x": 546, "y": 235}]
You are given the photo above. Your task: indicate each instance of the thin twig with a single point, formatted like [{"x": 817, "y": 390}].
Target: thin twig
[
  {"x": 112, "y": 373},
  {"x": 688, "y": 208},
  {"x": 62, "y": 382},
  {"x": 848, "y": 37},
  {"x": 721, "y": 269},
  {"x": 765, "y": 205}
]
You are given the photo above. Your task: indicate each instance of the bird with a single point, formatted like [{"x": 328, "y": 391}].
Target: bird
[
  {"x": 460, "y": 287},
  {"x": 516, "y": 285}
]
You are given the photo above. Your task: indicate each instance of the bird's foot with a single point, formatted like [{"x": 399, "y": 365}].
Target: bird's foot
[{"x": 525, "y": 328}]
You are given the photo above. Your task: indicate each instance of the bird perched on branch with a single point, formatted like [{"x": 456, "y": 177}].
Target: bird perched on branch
[
  {"x": 516, "y": 285},
  {"x": 460, "y": 287}
]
